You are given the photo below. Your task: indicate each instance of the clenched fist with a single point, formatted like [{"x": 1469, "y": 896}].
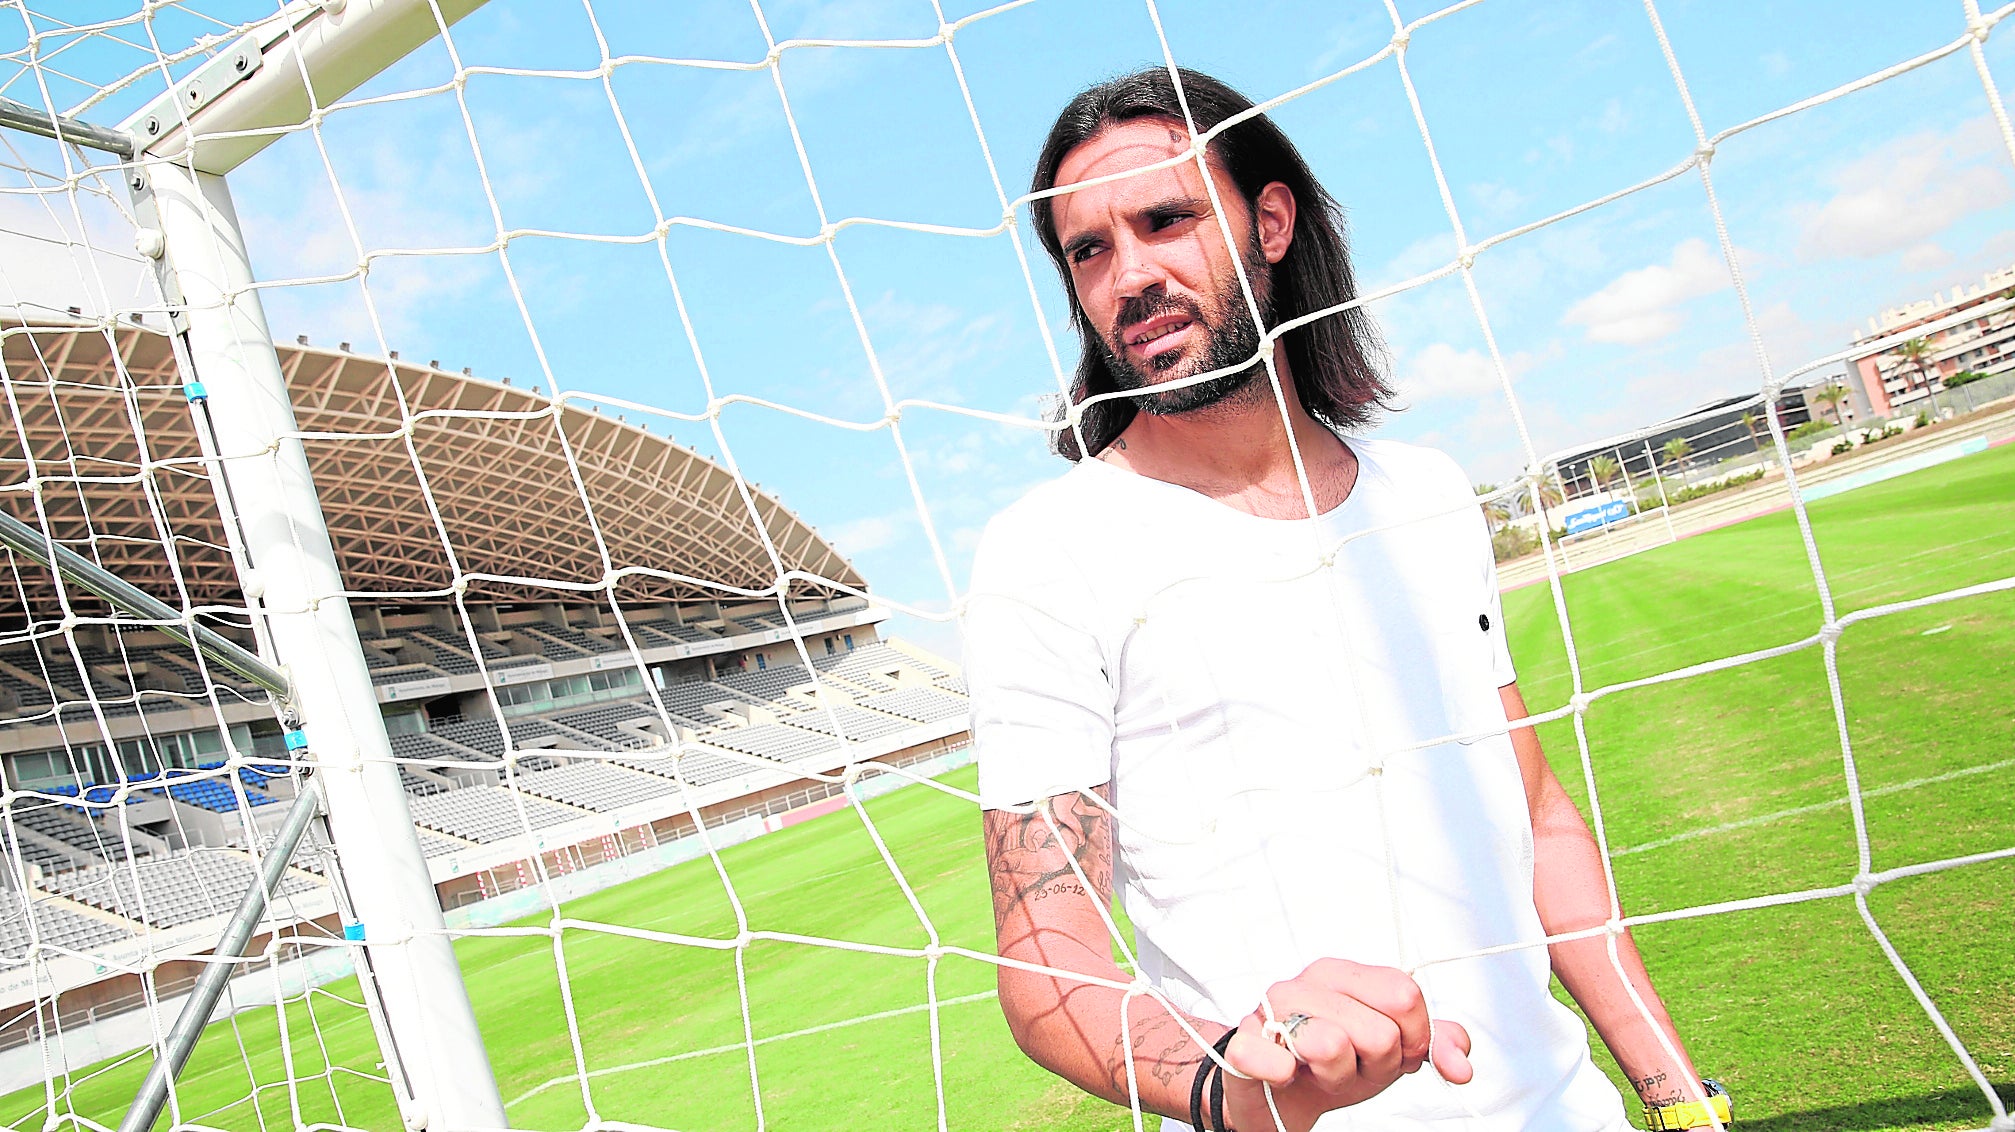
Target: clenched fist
[{"x": 1367, "y": 1027}]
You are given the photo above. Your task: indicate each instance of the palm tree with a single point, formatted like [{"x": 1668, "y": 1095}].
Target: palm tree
[
  {"x": 1676, "y": 451},
  {"x": 1914, "y": 351},
  {"x": 1550, "y": 495},
  {"x": 1603, "y": 470},
  {"x": 1831, "y": 396},
  {"x": 1495, "y": 513},
  {"x": 1750, "y": 421}
]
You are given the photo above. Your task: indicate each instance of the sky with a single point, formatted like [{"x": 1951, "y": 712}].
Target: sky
[{"x": 1606, "y": 320}]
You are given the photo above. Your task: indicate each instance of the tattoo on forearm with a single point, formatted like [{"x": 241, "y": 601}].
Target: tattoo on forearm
[
  {"x": 1651, "y": 1089},
  {"x": 1027, "y": 863},
  {"x": 1161, "y": 1050}
]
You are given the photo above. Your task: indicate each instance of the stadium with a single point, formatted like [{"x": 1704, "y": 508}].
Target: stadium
[
  {"x": 388, "y": 744},
  {"x": 467, "y": 685}
]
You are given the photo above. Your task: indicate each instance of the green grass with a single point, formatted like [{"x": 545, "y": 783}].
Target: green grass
[{"x": 1794, "y": 1006}]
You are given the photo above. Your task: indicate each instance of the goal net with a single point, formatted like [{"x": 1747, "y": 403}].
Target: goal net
[{"x": 568, "y": 730}]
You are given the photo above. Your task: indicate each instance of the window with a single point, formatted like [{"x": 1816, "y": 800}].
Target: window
[
  {"x": 829, "y": 646},
  {"x": 762, "y": 662},
  {"x": 849, "y": 639}
]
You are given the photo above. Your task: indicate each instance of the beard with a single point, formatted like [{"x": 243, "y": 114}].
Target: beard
[{"x": 1232, "y": 338}]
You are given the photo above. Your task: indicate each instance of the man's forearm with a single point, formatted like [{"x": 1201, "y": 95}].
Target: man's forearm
[
  {"x": 1573, "y": 897},
  {"x": 1052, "y": 876},
  {"x": 1076, "y": 1030}
]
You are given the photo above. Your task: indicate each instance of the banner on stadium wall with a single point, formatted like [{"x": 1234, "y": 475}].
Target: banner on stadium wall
[{"x": 1593, "y": 517}]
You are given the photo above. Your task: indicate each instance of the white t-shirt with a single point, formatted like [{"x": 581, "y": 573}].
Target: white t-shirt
[{"x": 1301, "y": 725}]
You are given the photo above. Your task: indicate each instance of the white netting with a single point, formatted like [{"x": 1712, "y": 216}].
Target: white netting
[{"x": 148, "y": 809}]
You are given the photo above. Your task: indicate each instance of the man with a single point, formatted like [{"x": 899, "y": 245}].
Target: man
[{"x": 1283, "y": 697}]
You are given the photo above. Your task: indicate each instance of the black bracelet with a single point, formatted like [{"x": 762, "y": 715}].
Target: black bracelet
[
  {"x": 1222, "y": 1046},
  {"x": 1196, "y": 1094}
]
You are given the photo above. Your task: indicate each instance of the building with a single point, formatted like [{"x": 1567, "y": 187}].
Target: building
[
  {"x": 546, "y": 714},
  {"x": 1893, "y": 382},
  {"x": 1714, "y": 433}
]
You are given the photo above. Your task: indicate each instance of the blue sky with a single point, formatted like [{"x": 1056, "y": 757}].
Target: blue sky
[{"x": 1606, "y": 320}]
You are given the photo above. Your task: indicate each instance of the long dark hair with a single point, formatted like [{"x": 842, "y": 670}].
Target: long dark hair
[{"x": 1336, "y": 361}]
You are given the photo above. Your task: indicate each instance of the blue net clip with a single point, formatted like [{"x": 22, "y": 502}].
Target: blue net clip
[
  {"x": 194, "y": 391},
  {"x": 297, "y": 740},
  {"x": 354, "y": 932}
]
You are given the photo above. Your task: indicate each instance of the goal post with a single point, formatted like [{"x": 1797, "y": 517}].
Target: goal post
[
  {"x": 259, "y": 470},
  {"x": 274, "y": 78}
]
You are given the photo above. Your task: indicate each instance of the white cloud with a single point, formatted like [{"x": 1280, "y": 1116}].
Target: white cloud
[
  {"x": 48, "y": 263},
  {"x": 1642, "y": 306},
  {"x": 870, "y": 533},
  {"x": 1926, "y": 256},
  {"x": 1495, "y": 198},
  {"x": 1440, "y": 370},
  {"x": 1905, "y": 192}
]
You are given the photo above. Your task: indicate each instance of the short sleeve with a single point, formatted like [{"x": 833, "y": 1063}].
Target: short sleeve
[
  {"x": 1042, "y": 702},
  {"x": 1502, "y": 672}
]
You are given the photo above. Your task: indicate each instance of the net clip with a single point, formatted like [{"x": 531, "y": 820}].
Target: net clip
[
  {"x": 354, "y": 931},
  {"x": 195, "y": 391},
  {"x": 297, "y": 740}
]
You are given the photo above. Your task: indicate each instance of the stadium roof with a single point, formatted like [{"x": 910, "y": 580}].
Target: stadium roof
[{"x": 506, "y": 497}]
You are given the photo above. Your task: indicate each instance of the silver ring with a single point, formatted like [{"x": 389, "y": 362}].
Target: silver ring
[{"x": 1291, "y": 1023}]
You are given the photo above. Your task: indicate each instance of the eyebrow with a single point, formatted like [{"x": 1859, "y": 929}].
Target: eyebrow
[{"x": 1156, "y": 208}]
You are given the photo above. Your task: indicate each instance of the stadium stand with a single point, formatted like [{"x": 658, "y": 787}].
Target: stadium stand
[
  {"x": 604, "y": 723},
  {"x": 211, "y": 794},
  {"x": 858, "y": 724},
  {"x": 32, "y": 853},
  {"x": 447, "y": 653},
  {"x": 487, "y": 737},
  {"x": 25, "y": 922},
  {"x": 690, "y": 700},
  {"x": 421, "y": 745},
  {"x": 698, "y": 767},
  {"x": 178, "y": 888},
  {"x": 766, "y": 684},
  {"x": 26, "y": 695},
  {"x": 672, "y": 633},
  {"x": 923, "y": 705},
  {"x": 420, "y": 784},
  {"x": 564, "y": 642},
  {"x": 774, "y": 741},
  {"x": 404, "y": 672},
  {"x": 594, "y": 786},
  {"x": 458, "y": 641},
  {"x": 487, "y": 814},
  {"x": 79, "y": 833}
]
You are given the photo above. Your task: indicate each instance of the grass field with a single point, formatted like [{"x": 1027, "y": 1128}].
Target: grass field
[{"x": 1713, "y": 788}]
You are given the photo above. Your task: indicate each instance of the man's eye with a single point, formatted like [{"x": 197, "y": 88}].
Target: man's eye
[
  {"x": 1171, "y": 218},
  {"x": 1081, "y": 254}
]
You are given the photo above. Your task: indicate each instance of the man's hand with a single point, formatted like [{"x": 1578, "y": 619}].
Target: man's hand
[{"x": 1367, "y": 1027}]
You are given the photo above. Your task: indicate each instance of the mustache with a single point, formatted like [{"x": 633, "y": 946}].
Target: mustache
[{"x": 1136, "y": 309}]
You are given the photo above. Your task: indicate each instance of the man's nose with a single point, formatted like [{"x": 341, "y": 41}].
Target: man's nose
[{"x": 1138, "y": 271}]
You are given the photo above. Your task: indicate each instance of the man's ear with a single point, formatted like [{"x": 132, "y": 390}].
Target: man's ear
[{"x": 1273, "y": 217}]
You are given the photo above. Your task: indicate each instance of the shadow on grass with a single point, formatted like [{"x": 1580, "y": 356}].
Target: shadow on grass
[{"x": 1950, "y": 1108}]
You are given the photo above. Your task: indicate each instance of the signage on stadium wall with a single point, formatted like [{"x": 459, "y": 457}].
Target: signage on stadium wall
[
  {"x": 519, "y": 673},
  {"x": 434, "y": 687},
  {"x": 1593, "y": 517}
]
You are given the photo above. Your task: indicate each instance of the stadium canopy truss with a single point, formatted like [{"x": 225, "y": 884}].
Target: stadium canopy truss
[{"x": 675, "y": 523}]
